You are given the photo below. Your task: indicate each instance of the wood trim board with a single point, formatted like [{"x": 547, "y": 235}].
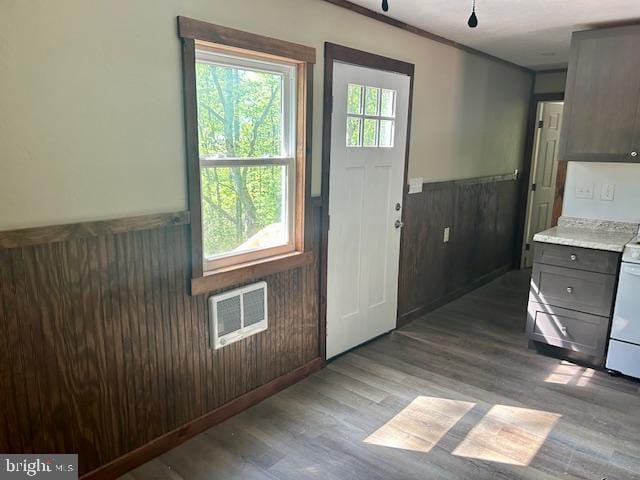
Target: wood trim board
[
  {"x": 421, "y": 32},
  {"x": 507, "y": 177},
  {"x": 561, "y": 180},
  {"x": 409, "y": 317},
  {"x": 236, "y": 275},
  {"x": 341, "y": 53},
  {"x": 62, "y": 233},
  {"x": 133, "y": 459},
  {"x": 189, "y": 28},
  {"x": 192, "y": 157}
]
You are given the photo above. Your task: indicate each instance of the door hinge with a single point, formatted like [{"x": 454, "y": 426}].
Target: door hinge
[
  {"x": 527, "y": 247},
  {"x": 540, "y": 123},
  {"x": 533, "y": 187}
]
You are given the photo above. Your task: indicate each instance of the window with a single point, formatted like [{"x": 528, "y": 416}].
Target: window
[
  {"x": 246, "y": 144},
  {"x": 370, "y": 116},
  {"x": 246, "y": 107}
]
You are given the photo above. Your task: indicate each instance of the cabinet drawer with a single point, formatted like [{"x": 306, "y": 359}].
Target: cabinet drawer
[
  {"x": 579, "y": 258},
  {"x": 586, "y": 292},
  {"x": 560, "y": 327}
]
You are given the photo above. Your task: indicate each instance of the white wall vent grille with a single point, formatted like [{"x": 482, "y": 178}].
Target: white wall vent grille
[{"x": 238, "y": 314}]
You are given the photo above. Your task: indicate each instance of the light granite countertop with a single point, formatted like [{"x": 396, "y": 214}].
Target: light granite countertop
[{"x": 594, "y": 234}]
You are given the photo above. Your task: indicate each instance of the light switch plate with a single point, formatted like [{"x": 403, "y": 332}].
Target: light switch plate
[
  {"x": 585, "y": 190},
  {"x": 608, "y": 192},
  {"x": 415, "y": 184}
]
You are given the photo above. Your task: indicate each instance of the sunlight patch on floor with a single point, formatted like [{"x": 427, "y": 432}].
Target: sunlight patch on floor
[
  {"x": 508, "y": 435},
  {"x": 421, "y": 425},
  {"x": 567, "y": 373}
]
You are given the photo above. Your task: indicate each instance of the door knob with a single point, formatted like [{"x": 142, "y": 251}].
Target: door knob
[
  {"x": 573, "y": 257},
  {"x": 398, "y": 207},
  {"x": 569, "y": 289},
  {"x": 634, "y": 154},
  {"x": 399, "y": 224}
]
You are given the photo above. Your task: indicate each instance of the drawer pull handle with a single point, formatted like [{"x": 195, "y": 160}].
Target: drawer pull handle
[
  {"x": 569, "y": 289},
  {"x": 573, "y": 257}
]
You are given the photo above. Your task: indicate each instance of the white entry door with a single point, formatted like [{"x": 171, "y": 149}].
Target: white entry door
[
  {"x": 542, "y": 187},
  {"x": 368, "y": 140}
]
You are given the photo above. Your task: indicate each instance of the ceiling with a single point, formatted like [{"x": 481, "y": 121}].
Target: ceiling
[{"x": 532, "y": 33}]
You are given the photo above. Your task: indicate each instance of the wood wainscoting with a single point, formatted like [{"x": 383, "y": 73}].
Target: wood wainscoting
[
  {"x": 482, "y": 215},
  {"x": 103, "y": 351}
]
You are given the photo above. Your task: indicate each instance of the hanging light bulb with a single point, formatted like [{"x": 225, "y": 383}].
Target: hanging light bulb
[
  {"x": 385, "y": 5},
  {"x": 473, "y": 20}
]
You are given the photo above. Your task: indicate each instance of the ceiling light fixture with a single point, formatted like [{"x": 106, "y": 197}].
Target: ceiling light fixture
[{"x": 473, "y": 20}]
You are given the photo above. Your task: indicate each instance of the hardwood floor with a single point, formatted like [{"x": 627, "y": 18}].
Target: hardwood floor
[{"x": 453, "y": 395}]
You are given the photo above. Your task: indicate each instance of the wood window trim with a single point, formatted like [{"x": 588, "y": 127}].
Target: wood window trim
[
  {"x": 194, "y": 33},
  {"x": 249, "y": 271}
]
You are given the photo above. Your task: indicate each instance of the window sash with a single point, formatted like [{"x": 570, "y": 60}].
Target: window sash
[
  {"x": 233, "y": 258},
  {"x": 370, "y": 117},
  {"x": 245, "y": 162},
  {"x": 288, "y": 72}
]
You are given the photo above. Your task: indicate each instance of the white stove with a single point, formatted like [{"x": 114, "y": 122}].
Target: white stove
[
  {"x": 632, "y": 251},
  {"x": 624, "y": 345}
]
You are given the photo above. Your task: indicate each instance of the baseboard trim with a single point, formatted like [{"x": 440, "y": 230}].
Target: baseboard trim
[
  {"x": 172, "y": 439},
  {"x": 418, "y": 312}
]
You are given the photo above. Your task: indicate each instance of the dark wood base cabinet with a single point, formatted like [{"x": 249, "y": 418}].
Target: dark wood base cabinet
[{"x": 571, "y": 301}]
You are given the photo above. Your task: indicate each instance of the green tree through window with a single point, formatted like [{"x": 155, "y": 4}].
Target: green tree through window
[{"x": 240, "y": 115}]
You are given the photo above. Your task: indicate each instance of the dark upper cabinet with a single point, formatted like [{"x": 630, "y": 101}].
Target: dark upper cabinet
[{"x": 602, "y": 101}]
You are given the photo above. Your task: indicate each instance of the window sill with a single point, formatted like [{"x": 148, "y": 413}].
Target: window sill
[{"x": 245, "y": 272}]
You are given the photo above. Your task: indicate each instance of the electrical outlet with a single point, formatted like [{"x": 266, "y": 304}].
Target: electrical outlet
[
  {"x": 585, "y": 190},
  {"x": 608, "y": 192},
  {"x": 446, "y": 234}
]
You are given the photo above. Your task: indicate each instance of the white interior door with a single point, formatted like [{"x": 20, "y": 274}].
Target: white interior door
[
  {"x": 368, "y": 140},
  {"x": 542, "y": 186}
]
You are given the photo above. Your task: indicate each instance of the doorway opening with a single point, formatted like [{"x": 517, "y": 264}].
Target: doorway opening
[
  {"x": 541, "y": 168},
  {"x": 367, "y": 114}
]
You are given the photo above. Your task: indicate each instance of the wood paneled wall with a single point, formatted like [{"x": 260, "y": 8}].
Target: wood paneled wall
[
  {"x": 482, "y": 216},
  {"x": 102, "y": 349}
]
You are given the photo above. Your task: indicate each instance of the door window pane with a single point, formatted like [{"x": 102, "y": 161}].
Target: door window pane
[
  {"x": 354, "y": 129},
  {"x": 354, "y": 99},
  {"x": 372, "y": 101},
  {"x": 366, "y": 111},
  {"x": 386, "y": 133},
  {"x": 388, "y": 103},
  {"x": 370, "y": 133}
]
